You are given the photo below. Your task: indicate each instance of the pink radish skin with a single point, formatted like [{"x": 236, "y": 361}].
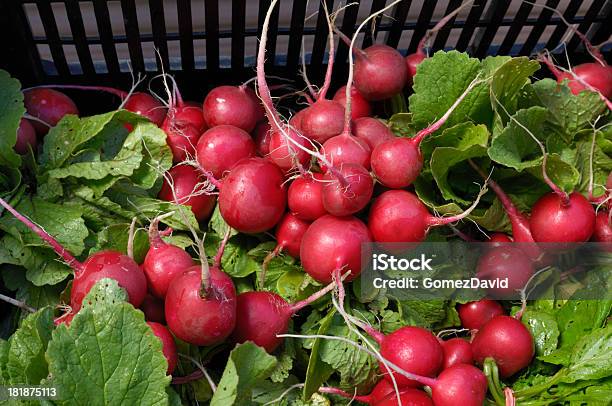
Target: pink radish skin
[
  {"x": 603, "y": 228},
  {"x": 305, "y": 197},
  {"x": 460, "y": 383},
  {"x": 285, "y": 153},
  {"x": 296, "y": 120},
  {"x": 399, "y": 216},
  {"x": 499, "y": 239},
  {"x": 474, "y": 315},
  {"x": 380, "y": 72},
  {"x": 181, "y": 139},
  {"x": 26, "y": 138},
  {"x": 412, "y": 61},
  {"x": 190, "y": 113},
  {"x": 260, "y": 111},
  {"x": 153, "y": 309},
  {"x": 289, "y": 233},
  {"x": 189, "y": 191},
  {"x": 408, "y": 397},
  {"x": 413, "y": 349},
  {"x": 195, "y": 317},
  {"x": 384, "y": 394},
  {"x": 231, "y": 105},
  {"x": 594, "y": 74},
  {"x": 221, "y": 147},
  {"x": 507, "y": 341},
  {"x": 553, "y": 220},
  {"x": 505, "y": 262},
  {"x": 261, "y": 316},
  {"x": 323, "y": 120},
  {"x": 252, "y": 198},
  {"x": 65, "y": 318},
  {"x": 360, "y": 107},
  {"x": 262, "y": 138},
  {"x": 332, "y": 243},
  {"x": 347, "y": 149},
  {"x": 163, "y": 262},
  {"x": 372, "y": 131},
  {"x": 147, "y": 106},
  {"x": 168, "y": 344},
  {"x": 343, "y": 199},
  {"x": 456, "y": 351},
  {"x": 48, "y": 105}
]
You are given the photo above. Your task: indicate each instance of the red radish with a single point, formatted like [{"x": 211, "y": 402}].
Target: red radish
[
  {"x": 456, "y": 351},
  {"x": 413, "y": 60},
  {"x": 603, "y": 228},
  {"x": 333, "y": 243},
  {"x": 296, "y": 120},
  {"x": 385, "y": 396},
  {"x": 231, "y": 105},
  {"x": 261, "y": 112},
  {"x": 399, "y": 216},
  {"x": 349, "y": 192},
  {"x": 474, "y": 315},
  {"x": 102, "y": 264},
  {"x": 283, "y": 151},
  {"x": 360, "y": 106},
  {"x": 153, "y": 309},
  {"x": 499, "y": 239},
  {"x": 221, "y": 147},
  {"x": 261, "y": 316},
  {"x": 163, "y": 261},
  {"x": 289, "y": 233},
  {"x": 183, "y": 184},
  {"x": 505, "y": 262},
  {"x": 461, "y": 383},
  {"x": 262, "y": 138},
  {"x": 181, "y": 139},
  {"x": 197, "y": 315},
  {"x": 252, "y": 198},
  {"x": 322, "y": 120},
  {"x": 507, "y": 341},
  {"x": 49, "y": 106},
  {"x": 398, "y": 161},
  {"x": 190, "y": 113},
  {"x": 65, "y": 318},
  {"x": 305, "y": 197},
  {"x": 372, "y": 131},
  {"x": 591, "y": 74},
  {"x": 413, "y": 349},
  {"x": 26, "y": 138},
  {"x": 347, "y": 149},
  {"x": 555, "y": 219},
  {"x": 168, "y": 344}
]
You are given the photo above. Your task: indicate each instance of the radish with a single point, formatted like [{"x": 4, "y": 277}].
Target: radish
[
  {"x": 413, "y": 60},
  {"x": 262, "y": 138},
  {"x": 102, "y": 264},
  {"x": 183, "y": 184},
  {"x": 558, "y": 217},
  {"x": 284, "y": 153},
  {"x": 385, "y": 396},
  {"x": 352, "y": 178},
  {"x": 163, "y": 261},
  {"x": 305, "y": 197},
  {"x": 181, "y": 139},
  {"x": 360, "y": 106},
  {"x": 26, "y": 138},
  {"x": 261, "y": 112},
  {"x": 333, "y": 243},
  {"x": 456, "y": 351},
  {"x": 507, "y": 341},
  {"x": 398, "y": 161},
  {"x": 261, "y": 316},
  {"x": 587, "y": 75},
  {"x": 252, "y": 198},
  {"x": 289, "y": 233},
  {"x": 296, "y": 120},
  {"x": 474, "y": 315},
  {"x": 399, "y": 216},
  {"x": 461, "y": 383},
  {"x": 190, "y": 113},
  {"x": 232, "y": 105},
  {"x": 49, "y": 106},
  {"x": 505, "y": 262},
  {"x": 153, "y": 309},
  {"x": 168, "y": 344},
  {"x": 372, "y": 131},
  {"x": 499, "y": 239},
  {"x": 221, "y": 147},
  {"x": 603, "y": 228},
  {"x": 198, "y": 312}
]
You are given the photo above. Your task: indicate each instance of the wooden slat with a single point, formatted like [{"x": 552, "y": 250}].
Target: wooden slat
[
  {"x": 183, "y": 8},
  {"x": 399, "y": 18},
  {"x": 238, "y": 23},
  {"x": 470, "y": 25},
  {"x": 158, "y": 24},
  {"x": 295, "y": 37},
  {"x": 497, "y": 13},
  {"x": 75, "y": 19},
  {"x": 515, "y": 28},
  {"x": 53, "y": 38},
  {"x": 130, "y": 20},
  {"x": 106, "y": 36},
  {"x": 211, "y": 13}
]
